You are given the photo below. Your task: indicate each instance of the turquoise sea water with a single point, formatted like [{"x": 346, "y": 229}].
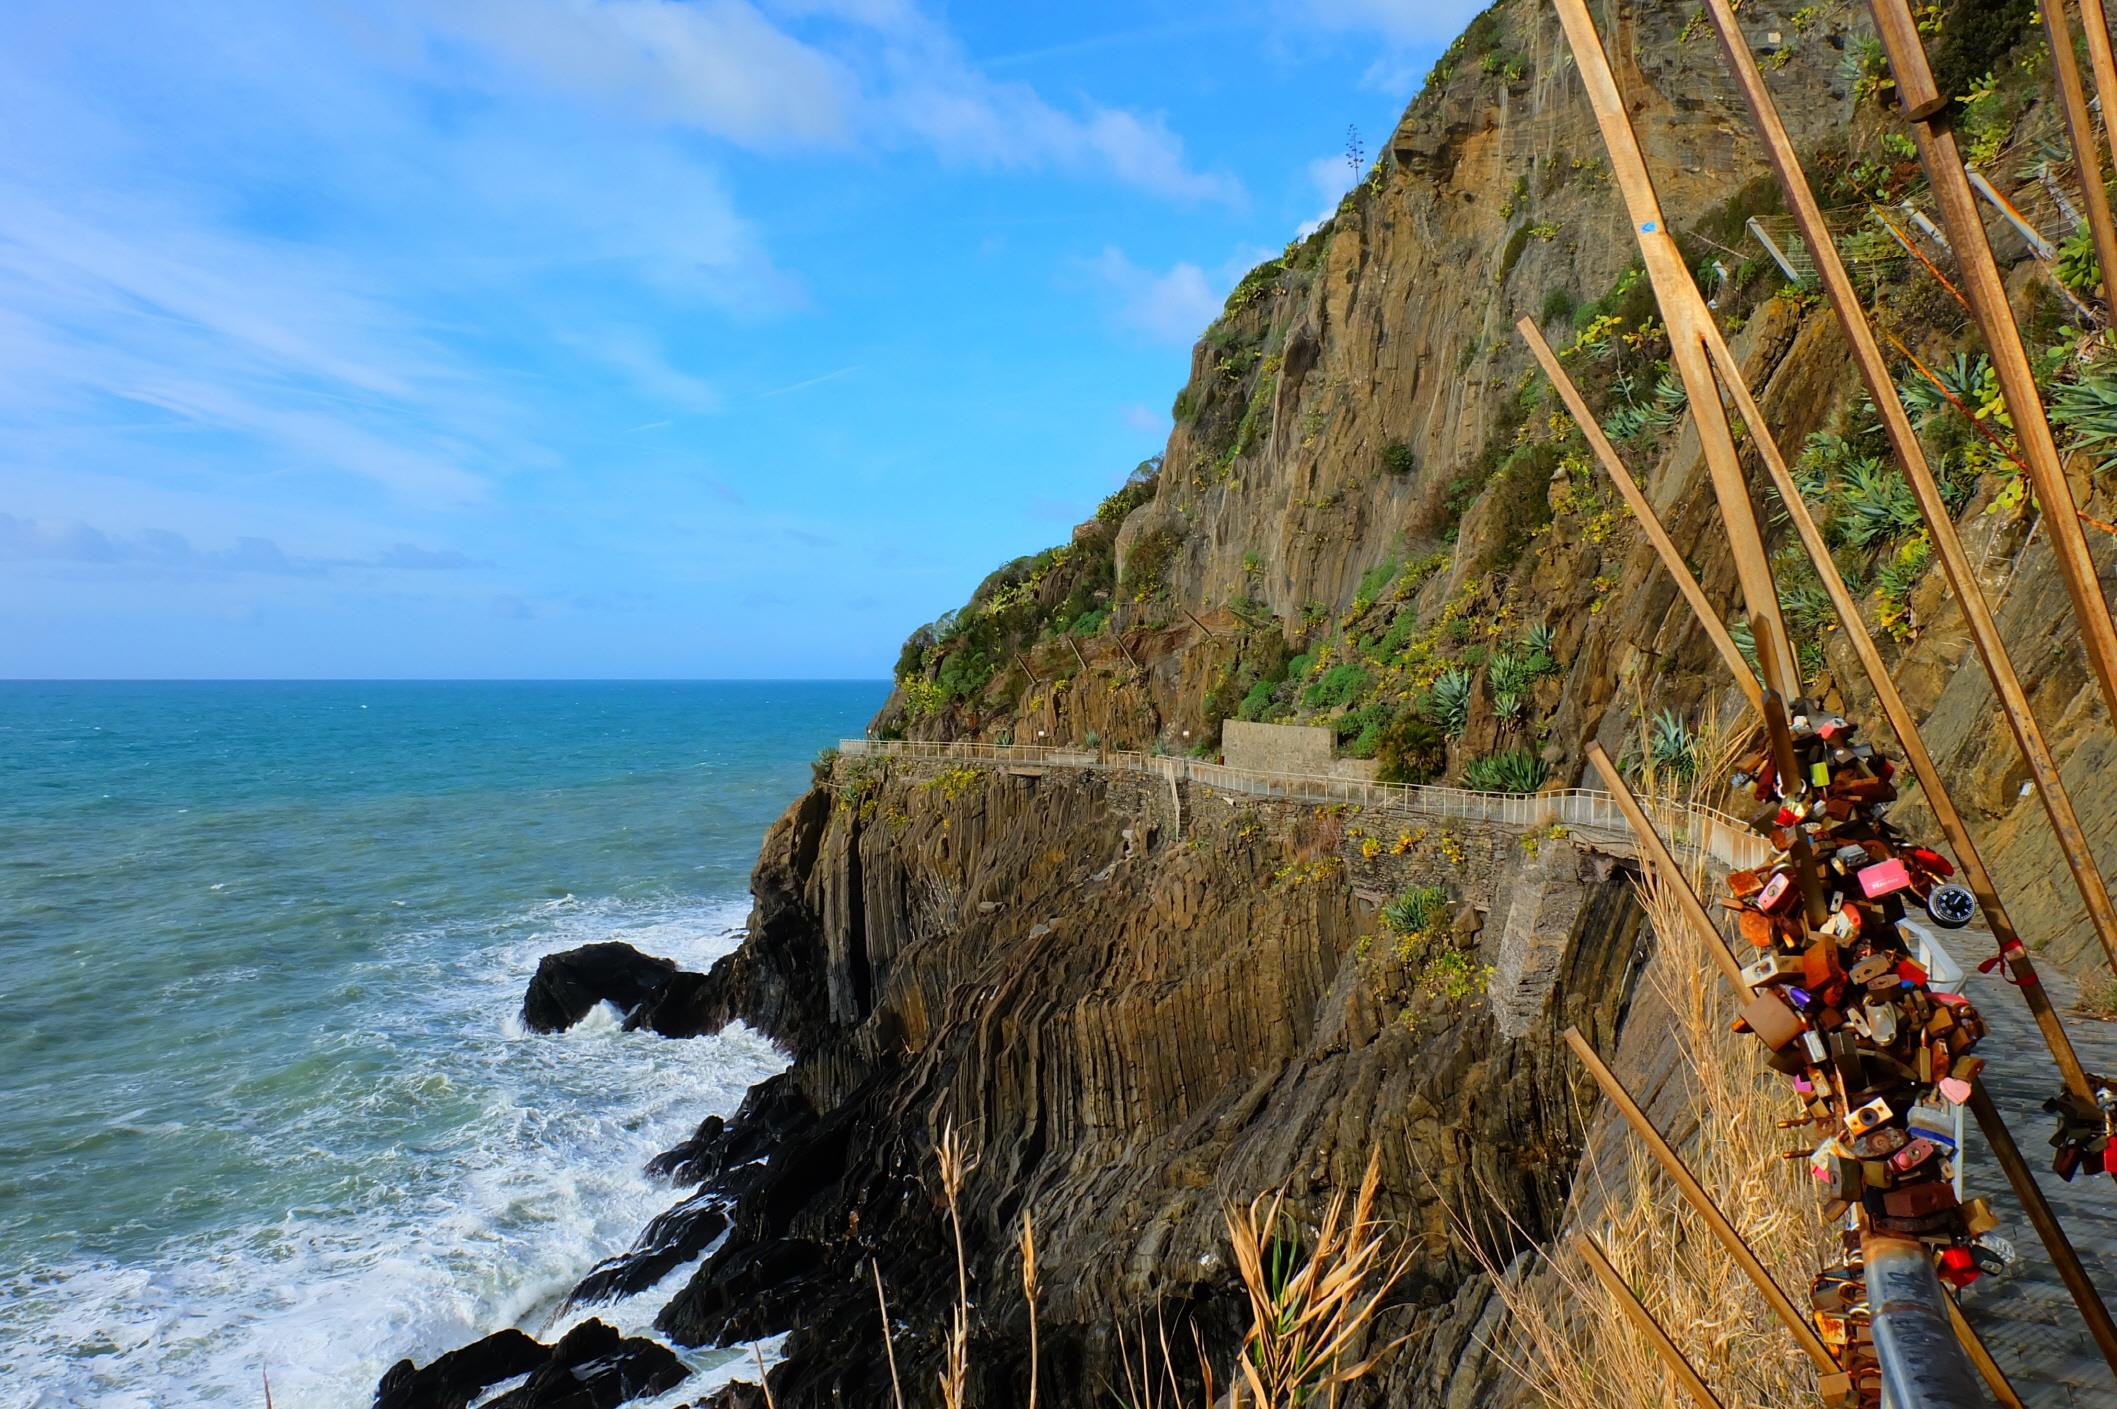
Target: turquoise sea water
[{"x": 264, "y": 1102}]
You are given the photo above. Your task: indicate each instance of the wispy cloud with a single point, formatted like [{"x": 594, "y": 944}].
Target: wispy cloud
[
  {"x": 166, "y": 552},
  {"x": 1172, "y": 306}
]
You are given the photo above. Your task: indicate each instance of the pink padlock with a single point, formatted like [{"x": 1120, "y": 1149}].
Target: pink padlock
[
  {"x": 1884, "y": 878},
  {"x": 1778, "y": 888}
]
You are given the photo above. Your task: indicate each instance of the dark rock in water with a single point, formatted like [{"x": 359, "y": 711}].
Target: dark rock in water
[
  {"x": 675, "y": 1236},
  {"x": 689, "y": 1005},
  {"x": 719, "y": 1148},
  {"x": 567, "y": 985},
  {"x": 454, "y": 1379},
  {"x": 593, "y": 1367},
  {"x": 739, "y": 1395}
]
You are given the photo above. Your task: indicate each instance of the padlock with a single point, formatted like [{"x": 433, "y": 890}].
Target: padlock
[
  {"x": 1879, "y": 1143},
  {"x": 1883, "y": 878},
  {"x": 1881, "y": 1023},
  {"x": 1931, "y": 1122},
  {"x": 1776, "y": 891},
  {"x": 1867, "y": 1117},
  {"x": 1873, "y": 967},
  {"x": 1774, "y": 1023},
  {"x": 1771, "y": 968},
  {"x": 1978, "y": 1218},
  {"x": 1912, "y": 1155}
]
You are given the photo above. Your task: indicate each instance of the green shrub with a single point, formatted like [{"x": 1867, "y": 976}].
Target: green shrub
[
  {"x": 820, "y": 768},
  {"x": 1090, "y": 622},
  {"x": 1397, "y": 458},
  {"x": 1515, "y": 771},
  {"x": 1257, "y": 701},
  {"x": 1340, "y": 685},
  {"x": 1377, "y": 578},
  {"x": 1410, "y": 749},
  {"x": 1558, "y": 307},
  {"x": 2086, "y": 409}
]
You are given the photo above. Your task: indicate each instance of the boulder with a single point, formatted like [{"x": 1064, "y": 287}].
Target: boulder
[
  {"x": 569, "y": 984},
  {"x": 451, "y": 1381},
  {"x": 593, "y": 1367}
]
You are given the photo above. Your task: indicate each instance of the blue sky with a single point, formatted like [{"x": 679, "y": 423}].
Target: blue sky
[{"x": 613, "y": 337}]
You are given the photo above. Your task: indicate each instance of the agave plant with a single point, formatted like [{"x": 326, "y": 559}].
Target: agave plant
[
  {"x": 1877, "y": 504},
  {"x": 1542, "y": 641},
  {"x": 1448, "y": 700},
  {"x": 1415, "y": 910},
  {"x": 1515, "y": 771},
  {"x": 2086, "y": 409},
  {"x": 1671, "y": 744}
]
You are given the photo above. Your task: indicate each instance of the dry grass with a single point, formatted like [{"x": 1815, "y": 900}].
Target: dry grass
[{"x": 1565, "y": 1336}]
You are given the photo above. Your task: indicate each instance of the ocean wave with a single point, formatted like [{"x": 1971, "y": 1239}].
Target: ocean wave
[{"x": 475, "y": 1172}]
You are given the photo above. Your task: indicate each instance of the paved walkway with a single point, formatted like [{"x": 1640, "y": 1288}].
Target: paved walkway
[{"x": 2027, "y": 1318}]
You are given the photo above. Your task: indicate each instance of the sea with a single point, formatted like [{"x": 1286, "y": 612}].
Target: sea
[{"x": 267, "y": 1110}]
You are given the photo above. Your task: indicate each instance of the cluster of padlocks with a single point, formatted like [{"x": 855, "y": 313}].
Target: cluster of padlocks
[{"x": 1880, "y": 1059}]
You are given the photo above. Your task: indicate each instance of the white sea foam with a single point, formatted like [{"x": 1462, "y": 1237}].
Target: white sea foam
[{"x": 488, "y": 1225}]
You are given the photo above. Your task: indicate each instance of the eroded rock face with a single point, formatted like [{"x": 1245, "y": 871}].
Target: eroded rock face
[
  {"x": 567, "y": 985},
  {"x": 1130, "y": 1036}
]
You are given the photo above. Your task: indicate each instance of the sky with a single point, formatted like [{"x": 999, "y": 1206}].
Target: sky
[{"x": 614, "y": 338}]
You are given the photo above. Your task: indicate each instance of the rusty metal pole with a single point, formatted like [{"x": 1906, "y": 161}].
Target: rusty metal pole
[
  {"x": 2102, "y": 61},
  {"x": 1665, "y": 265},
  {"x": 1643, "y": 1321},
  {"x": 1642, "y": 510},
  {"x": 1935, "y": 136},
  {"x": 1955, "y": 562}
]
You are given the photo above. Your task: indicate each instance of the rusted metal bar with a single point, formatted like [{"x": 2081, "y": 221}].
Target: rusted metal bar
[
  {"x": 1655, "y": 853},
  {"x": 1028, "y": 670},
  {"x": 1643, "y": 1321},
  {"x": 1923, "y": 1365},
  {"x": 1649, "y": 522},
  {"x": 2087, "y": 147},
  {"x": 1664, "y": 266},
  {"x": 1694, "y": 1193},
  {"x": 1955, "y": 562},
  {"x": 1935, "y": 138}
]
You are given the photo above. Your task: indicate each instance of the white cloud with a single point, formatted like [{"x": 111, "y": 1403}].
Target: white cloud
[
  {"x": 879, "y": 72},
  {"x": 1174, "y": 306}
]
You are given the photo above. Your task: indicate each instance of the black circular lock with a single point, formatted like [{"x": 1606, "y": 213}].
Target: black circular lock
[{"x": 1951, "y": 906}]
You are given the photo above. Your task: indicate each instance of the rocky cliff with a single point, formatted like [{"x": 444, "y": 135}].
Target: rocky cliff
[{"x": 1140, "y": 1003}]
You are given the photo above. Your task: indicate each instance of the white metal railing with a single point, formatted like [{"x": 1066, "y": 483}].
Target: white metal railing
[{"x": 1684, "y": 826}]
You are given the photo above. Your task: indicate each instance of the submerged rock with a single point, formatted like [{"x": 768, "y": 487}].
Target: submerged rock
[
  {"x": 451, "y": 1381},
  {"x": 569, "y": 984}
]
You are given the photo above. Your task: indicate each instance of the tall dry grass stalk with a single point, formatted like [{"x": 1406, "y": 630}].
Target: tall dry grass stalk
[
  {"x": 1309, "y": 1315},
  {"x": 1565, "y": 1336},
  {"x": 955, "y": 1169},
  {"x": 1027, "y": 1244}
]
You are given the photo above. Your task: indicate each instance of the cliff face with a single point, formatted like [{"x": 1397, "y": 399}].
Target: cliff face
[
  {"x": 1138, "y": 1005},
  {"x": 1132, "y": 1028}
]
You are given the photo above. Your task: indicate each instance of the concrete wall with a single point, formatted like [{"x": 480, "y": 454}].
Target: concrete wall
[{"x": 1288, "y": 748}]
